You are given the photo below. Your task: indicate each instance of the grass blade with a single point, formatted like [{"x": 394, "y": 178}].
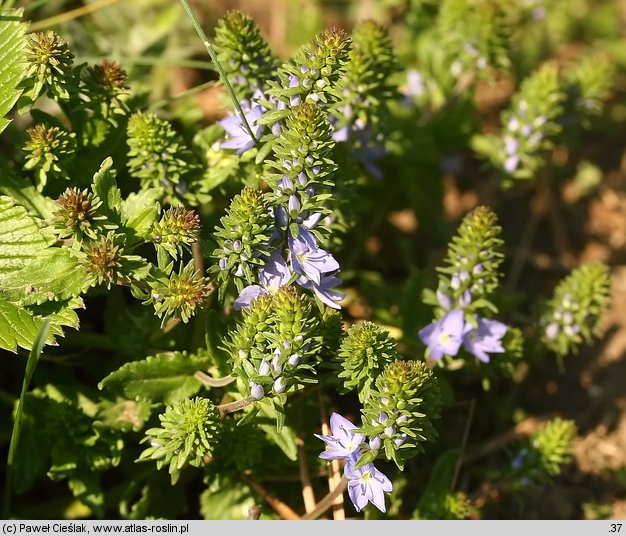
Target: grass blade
[{"x": 33, "y": 358}]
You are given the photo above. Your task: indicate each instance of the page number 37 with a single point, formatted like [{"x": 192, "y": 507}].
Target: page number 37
[{"x": 615, "y": 527}]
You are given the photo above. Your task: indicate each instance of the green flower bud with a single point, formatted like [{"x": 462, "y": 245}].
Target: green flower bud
[
  {"x": 474, "y": 258},
  {"x": 572, "y": 315},
  {"x": 77, "y": 213},
  {"x": 105, "y": 84},
  {"x": 176, "y": 227},
  {"x": 311, "y": 75},
  {"x": 303, "y": 146},
  {"x": 401, "y": 408},
  {"x": 242, "y": 238},
  {"x": 49, "y": 150},
  {"x": 365, "y": 86},
  {"x": 275, "y": 346},
  {"x": 365, "y": 352},
  {"x": 243, "y": 53},
  {"x": 188, "y": 433},
  {"x": 103, "y": 260},
  {"x": 158, "y": 155},
  {"x": 530, "y": 127},
  {"x": 181, "y": 294},
  {"x": 49, "y": 65},
  {"x": 589, "y": 86},
  {"x": 554, "y": 444},
  {"x": 544, "y": 453}
]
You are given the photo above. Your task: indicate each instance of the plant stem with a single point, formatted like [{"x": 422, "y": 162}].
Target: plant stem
[
  {"x": 218, "y": 66},
  {"x": 231, "y": 407}
]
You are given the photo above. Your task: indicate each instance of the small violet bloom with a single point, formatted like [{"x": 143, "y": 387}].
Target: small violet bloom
[
  {"x": 484, "y": 339},
  {"x": 307, "y": 258},
  {"x": 445, "y": 336},
  {"x": 239, "y": 137},
  {"x": 343, "y": 443},
  {"x": 272, "y": 276},
  {"x": 367, "y": 484},
  {"x": 324, "y": 291}
]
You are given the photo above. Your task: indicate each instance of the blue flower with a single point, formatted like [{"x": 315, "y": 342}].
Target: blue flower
[
  {"x": 343, "y": 443},
  {"x": 325, "y": 290},
  {"x": 484, "y": 339},
  {"x": 239, "y": 137},
  {"x": 367, "y": 484},
  {"x": 274, "y": 274},
  {"x": 307, "y": 258},
  {"x": 445, "y": 336}
]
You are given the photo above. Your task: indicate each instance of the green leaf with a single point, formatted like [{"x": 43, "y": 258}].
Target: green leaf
[
  {"x": 277, "y": 432},
  {"x": 86, "y": 487},
  {"x": 224, "y": 500},
  {"x": 140, "y": 211},
  {"x": 26, "y": 195},
  {"x": 167, "y": 377},
  {"x": 19, "y": 326},
  {"x": 21, "y": 242},
  {"x": 105, "y": 187},
  {"x": 12, "y": 64},
  {"x": 60, "y": 313},
  {"x": 53, "y": 275}
]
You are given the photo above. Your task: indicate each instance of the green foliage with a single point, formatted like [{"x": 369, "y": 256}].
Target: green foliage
[
  {"x": 84, "y": 447},
  {"x": 164, "y": 378},
  {"x": 119, "y": 207},
  {"x": 13, "y": 67},
  {"x": 438, "y": 501},
  {"x": 544, "y": 454}
]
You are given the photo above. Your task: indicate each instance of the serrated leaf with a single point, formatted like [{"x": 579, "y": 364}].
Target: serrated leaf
[
  {"x": 19, "y": 325},
  {"x": 105, "y": 187},
  {"x": 12, "y": 64},
  {"x": 167, "y": 377},
  {"x": 53, "y": 275},
  {"x": 21, "y": 241}
]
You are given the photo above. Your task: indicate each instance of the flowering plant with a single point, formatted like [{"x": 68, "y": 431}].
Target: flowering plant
[{"x": 311, "y": 290}]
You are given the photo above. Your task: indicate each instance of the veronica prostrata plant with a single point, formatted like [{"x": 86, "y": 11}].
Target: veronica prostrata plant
[{"x": 209, "y": 284}]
